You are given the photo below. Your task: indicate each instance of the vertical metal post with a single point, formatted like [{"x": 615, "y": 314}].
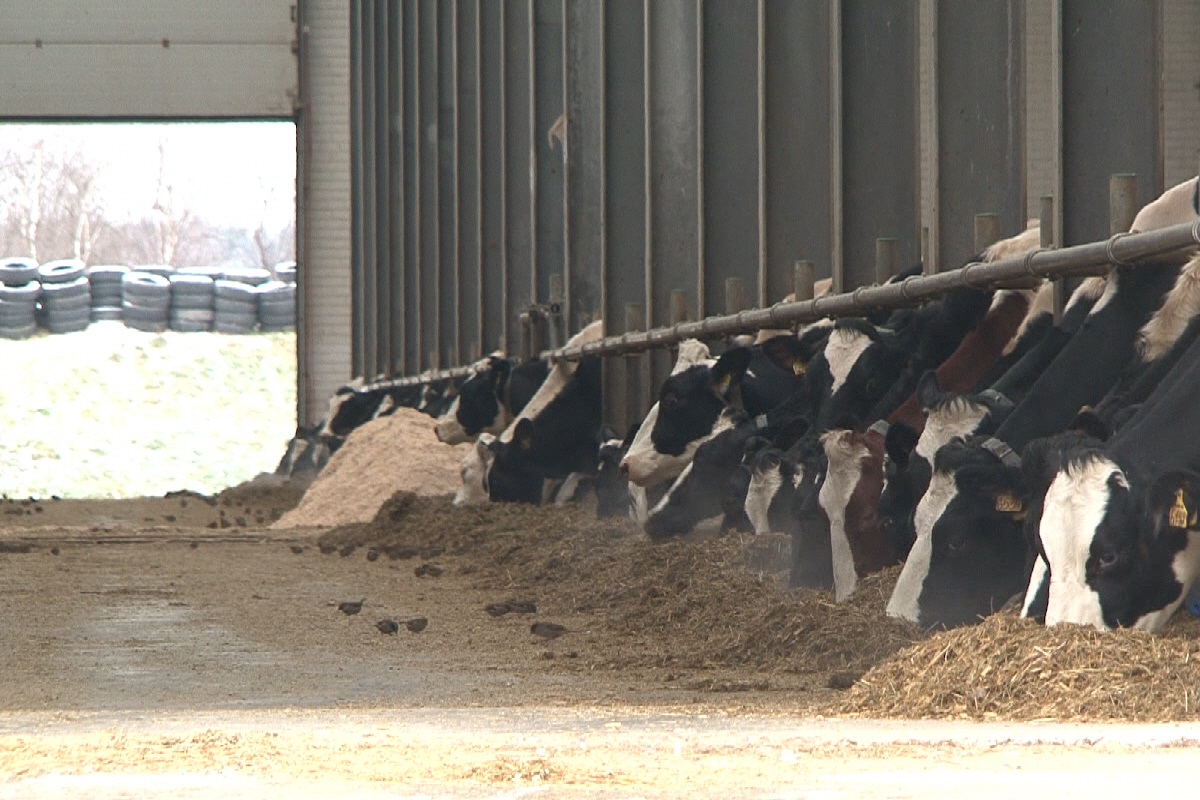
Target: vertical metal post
[
  {"x": 358, "y": 206},
  {"x": 887, "y": 259},
  {"x": 635, "y": 385},
  {"x": 381, "y": 291},
  {"x": 1046, "y": 230},
  {"x": 493, "y": 180},
  {"x": 1122, "y": 202},
  {"x": 470, "y": 198},
  {"x": 681, "y": 307},
  {"x": 557, "y": 336},
  {"x": 449, "y": 293},
  {"x": 428, "y": 152},
  {"x": 987, "y": 230},
  {"x": 804, "y": 275},
  {"x": 397, "y": 211},
  {"x": 518, "y": 157},
  {"x": 411, "y": 280},
  {"x": 735, "y": 295},
  {"x": 546, "y": 104}
]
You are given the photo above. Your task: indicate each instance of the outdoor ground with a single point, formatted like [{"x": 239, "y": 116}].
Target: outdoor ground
[{"x": 180, "y": 647}]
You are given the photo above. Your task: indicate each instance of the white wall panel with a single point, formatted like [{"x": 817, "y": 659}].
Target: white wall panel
[{"x": 147, "y": 59}]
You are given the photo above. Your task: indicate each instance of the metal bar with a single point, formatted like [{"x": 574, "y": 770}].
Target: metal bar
[
  {"x": 735, "y": 295},
  {"x": 470, "y": 277},
  {"x": 837, "y": 166},
  {"x": 396, "y": 195},
  {"x": 1046, "y": 232},
  {"x": 887, "y": 259},
  {"x": 368, "y": 322},
  {"x": 804, "y": 275},
  {"x": 518, "y": 163},
  {"x": 358, "y": 232},
  {"x": 412, "y": 189},
  {"x": 380, "y": 332},
  {"x": 547, "y": 104},
  {"x": 492, "y": 176},
  {"x": 987, "y": 230},
  {"x": 1093, "y": 258},
  {"x": 448, "y": 202},
  {"x": 1122, "y": 202},
  {"x": 428, "y": 146}
]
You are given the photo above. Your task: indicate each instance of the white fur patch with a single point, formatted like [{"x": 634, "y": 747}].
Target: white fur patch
[
  {"x": 764, "y": 485},
  {"x": 1106, "y": 297},
  {"x": 1037, "y": 577},
  {"x": 1075, "y": 505},
  {"x": 639, "y": 504},
  {"x": 1186, "y": 567},
  {"x": 475, "y": 465},
  {"x": 958, "y": 418},
  {"x": 447, "y": 427},
  {"x": 905, "y": 599},
  {"x": 1172, "y": 207},
  {"x": 842, "y": 351},
  {"x": 1166, "y": 326},
  {"x": 845, "y": 468},
  {"x": 335, "y": 404},
  {"x": 1042, "y": 304}
]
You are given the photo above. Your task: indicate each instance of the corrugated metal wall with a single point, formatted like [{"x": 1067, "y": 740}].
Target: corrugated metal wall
[{"x": 710, "y": 145}]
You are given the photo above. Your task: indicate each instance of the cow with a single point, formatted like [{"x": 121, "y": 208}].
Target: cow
[
  {"x": 473, "y": 489},
  {"x": 354, "y": 404},
  {"x": 554, "y": 435},
  {"x": 490, "y": 398},
  {"x": 306, "y": 453},
  {"x": 1116, "y": 538}
]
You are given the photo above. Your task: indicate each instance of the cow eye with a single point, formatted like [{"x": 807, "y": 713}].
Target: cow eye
[
  {"x": 1107, "y": 559},
  {"x": 669, "y": 400}
]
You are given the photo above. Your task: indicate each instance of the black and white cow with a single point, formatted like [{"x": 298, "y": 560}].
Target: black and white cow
[
  {"x": 1117, "y": 539},
  {"x": 490, "y": 398},
  {"x": 353, "y": 405}
]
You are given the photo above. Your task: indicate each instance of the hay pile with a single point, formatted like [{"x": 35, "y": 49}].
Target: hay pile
[
  {"x": 395, "y": 453},
  {"x": 692, "y": 603},
  {"x": 1012, "y": 668}
]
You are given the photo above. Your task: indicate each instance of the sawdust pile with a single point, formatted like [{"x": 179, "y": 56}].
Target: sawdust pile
[
  {"x": 399, "y": 452},
  {"x": 1012, "y": 668},
  {"x": 691, "y": 603}
]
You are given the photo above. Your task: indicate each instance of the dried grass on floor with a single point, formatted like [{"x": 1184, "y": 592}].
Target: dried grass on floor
[{"x": 1011, "y": 668}]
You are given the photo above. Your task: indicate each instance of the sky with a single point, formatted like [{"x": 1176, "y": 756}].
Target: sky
[{"x": 229, "y": 173}]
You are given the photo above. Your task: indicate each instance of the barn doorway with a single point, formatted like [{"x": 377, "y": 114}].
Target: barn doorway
[{"x": 178, "y": 370}]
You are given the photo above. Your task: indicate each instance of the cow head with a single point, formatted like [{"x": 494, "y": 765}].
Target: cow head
[
  {"x": 612, "y": 491},
  {"x": 697, "y": 493},
  {"x": 477, "y": 408},
  {"x": 969, "y": 557},
  {"x": 514, "y": 476},
  {"x": 1115, "y": 550},
  {"x": 853, "y": 372},
  {"x": 689, "y": 402},
  {"x": 474, "y": 469}
]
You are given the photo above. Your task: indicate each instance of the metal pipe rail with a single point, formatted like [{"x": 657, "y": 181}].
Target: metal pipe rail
[{"x": 1093, "y": 258}]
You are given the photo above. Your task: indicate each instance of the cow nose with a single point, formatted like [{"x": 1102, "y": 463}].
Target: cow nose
[{"x": 623, "y": 469}]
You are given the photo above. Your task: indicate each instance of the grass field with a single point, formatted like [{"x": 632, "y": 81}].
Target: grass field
[{"x": 114, "y": 412}]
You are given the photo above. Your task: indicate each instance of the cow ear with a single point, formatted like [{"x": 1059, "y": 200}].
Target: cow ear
[
  {"x": 729, "y": 369},
  {"x": 900, "y": 441},
  {"x": 999, "y": 487},
  {"x": 1174, "y": 499},
  {"x": 1040, "y": 461},
  {"x": 787, "y": 353},
  {"x": 929, "y": 391},
  {"x": 501, "y": 367},
  {"x": 1089, "y": 422},
  {"x": 523, "y": 435}
]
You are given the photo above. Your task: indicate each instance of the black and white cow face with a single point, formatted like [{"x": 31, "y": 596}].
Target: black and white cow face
[
  {"x": 612, "y": 490},
  {"x": 477, "y": 408},
  {"x": 1112, "y": 555},
  {"x": 970, "y": 553},
  {"x": 852, "y": 374},
  {"x": 697, "y": 493},
  {"x": 690, "y": 401},
  {"x": 515, "y": 477},
  {"x": 351, "y": 407},
  {"x": 774, "y": 480}
]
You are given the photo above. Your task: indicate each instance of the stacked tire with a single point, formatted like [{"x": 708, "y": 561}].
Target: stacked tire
[
  {"x": 19, "y": 293},
  {"x": 235, "y": 306},
  {"x": 66, "y": 296},
  {"x": 192, "y": 307},
  {"x": 145, "y": 301},
  {"x": 277, "y": 306},
  {"x": 106, "y": 292},
  {"x": 285, "y": 271}
]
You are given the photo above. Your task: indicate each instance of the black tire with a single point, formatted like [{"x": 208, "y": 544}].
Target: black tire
[
  {"x": 161, "y": 270},
  {"x": 53, "y": 305},
  {"x": 199, "y": 285},
  {"x": 148, "y": 327},
  {"x": 68, "y": 325},
  {"x": 107, "y": 313},
  {"x": 106, "y": 274},
  {"x": 141, "y": 314},
  {"x": 286, "y": 271},
  {"x": 233, "y": 290},
  {"x": 15, "y": 270},
  {"x": 252, "y": 276},
  {"x": 60, "y": 271},
  {"x": 79, "y": 287},
  {"x": 231, "y": 328},
  {"x": 106, "y": 298},
  {"x": 16, "y": 320},
  {"x": 18, "y": 331},
  {"x": 160, "y": 304},
  {"x": 192, "y": 301},
  {"x": 23, "y": 292},
  {"x": 276, "y": 290},
  {"x": 224, "y": 305},
  {"x": 191, "y": 327},
  {"x": 211, "y": 272},
  {"x": 265, "y": 328},
  {"x": 192, "y": 315},
  {"x": 277, "y": 320},
  {"x": 281, "y": 304},
  {"x": 145, "y": 284}
]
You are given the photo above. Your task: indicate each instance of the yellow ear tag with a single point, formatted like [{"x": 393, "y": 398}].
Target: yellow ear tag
[
  {"x": 798, "y": 367},
  {"x": 724, "y": 382},
  {"x": 1008, "y": 503},
  {"x": 1178, "y": 515}
]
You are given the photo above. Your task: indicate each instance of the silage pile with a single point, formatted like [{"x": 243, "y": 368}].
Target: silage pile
[
  {"x": 1011, "y": 668},
  {"x": 395, "y": 453}
]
